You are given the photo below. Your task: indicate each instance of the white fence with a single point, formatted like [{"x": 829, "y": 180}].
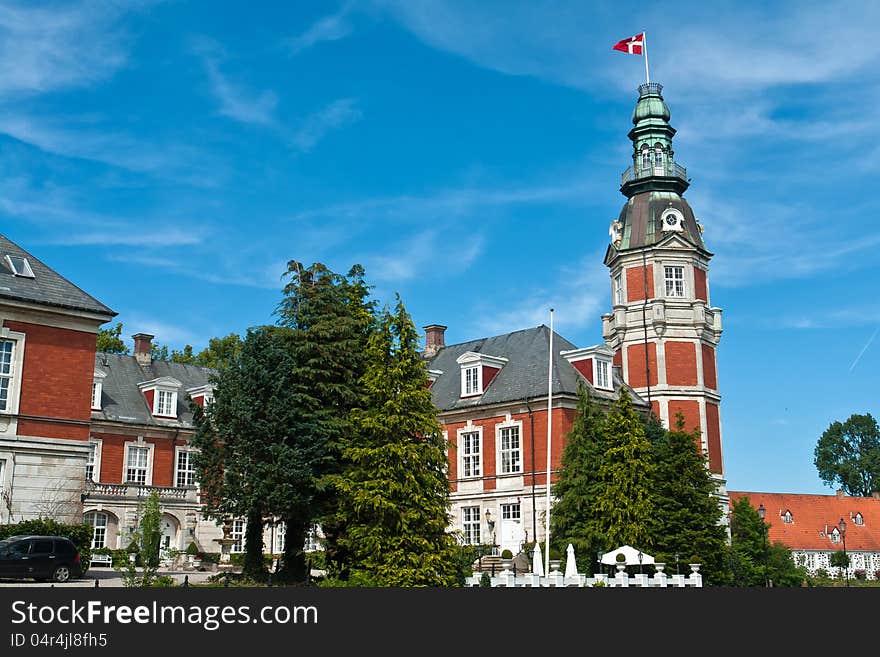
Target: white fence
[{"x": 621, "y": 579}]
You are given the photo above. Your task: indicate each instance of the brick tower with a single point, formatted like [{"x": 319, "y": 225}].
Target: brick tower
[{"x": 663, "y": 330}]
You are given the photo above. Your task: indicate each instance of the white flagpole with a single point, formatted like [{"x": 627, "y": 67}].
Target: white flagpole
[
  {"x": 549, "y": 443},
  {"x": 645, "y": 49}
]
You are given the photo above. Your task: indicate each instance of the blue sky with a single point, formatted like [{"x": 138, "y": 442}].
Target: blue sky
[{"x": 171, "y": 157}]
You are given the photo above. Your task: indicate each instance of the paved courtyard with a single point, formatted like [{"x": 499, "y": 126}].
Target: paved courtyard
[{"x": 106, "y": 577}]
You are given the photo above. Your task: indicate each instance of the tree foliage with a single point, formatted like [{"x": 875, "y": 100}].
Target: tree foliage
[
  {"x": 145, "y": 544},
  {"x": 109, "y": 340},
  {"x": 688, "y": 513},
  {"x": 752, "y": 560},
  {"x": 574, "y": 518},
  {"x": 848, "y": 455},
  {"x": 394, "y": 492},
  {"x": 624, "y": 504}
]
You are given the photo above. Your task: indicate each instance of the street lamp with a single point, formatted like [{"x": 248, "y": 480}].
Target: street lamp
[
  {"x": 761, "y": 513},
  {"x": 842, "y": 527},
  {"x": 676, "y": 563},
  {"x": 599, "y": 561},
  {"x": 641, "y": 556}
]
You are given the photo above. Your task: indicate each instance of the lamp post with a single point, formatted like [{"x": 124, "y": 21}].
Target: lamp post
[
  {"x": 761, "y": 513},
  {"x": 676, "y": 563},
  {"x": 842, "y": 527},
  {"x": 640, "y": 556},
  {"x": 490, "y": 524},
  {"x": 599, "y": 561}
]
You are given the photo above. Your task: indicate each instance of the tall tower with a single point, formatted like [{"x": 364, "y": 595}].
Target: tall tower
[{"x": 663, "y": 330}]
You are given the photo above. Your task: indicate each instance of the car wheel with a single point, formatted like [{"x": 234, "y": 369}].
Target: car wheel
[{"x": 61, "y": 574}]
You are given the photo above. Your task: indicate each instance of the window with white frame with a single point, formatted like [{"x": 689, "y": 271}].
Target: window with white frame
[
  {"x": 603, "y": 374},
  {"x": 237, "y": 536},
  {"x": 186, "y": 470},
  {"x": 470, "y": 454},
  {"x": 137, "y": 464},
  {"x": 834, "y": 535},
  {"x": 674, "y": 277},
  {"x": 279, "y": 538},
  {"x": 787, "y": 518},
  {"x": 7, "y": 362},
  {"x": 166, "y": 403},
  {"x": 470, "y": 524},
  {"x": 98, "y": 521},
  {"x": 510, "y": 512},
  {"x": 471, "y": 380},
  {"x": 646, "y": 157},
  {"x": 97, "y": 387},
  {"x": 858, "y": 519},
  {"x": 658, "y": 158},
  {"x": 618, "y": 289},
  {"x": 312, "y": 543},
  {"x": 511, "y": 450},
  {"x": 93, "y": 461}
]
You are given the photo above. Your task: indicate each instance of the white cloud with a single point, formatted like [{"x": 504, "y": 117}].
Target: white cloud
[
  {"x": 329, "y": 28},
  {"x": 238, "y": 103},
  {"x": 420, "y": 254},
  {"x": 335, "y": 115},
  {"x": 133, "y": 235}
]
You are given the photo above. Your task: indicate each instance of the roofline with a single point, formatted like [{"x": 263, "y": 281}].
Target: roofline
[{"x": 85, "y": 313}]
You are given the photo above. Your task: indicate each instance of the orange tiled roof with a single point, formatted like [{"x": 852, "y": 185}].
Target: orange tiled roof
[{"x": 815, "y": 516}]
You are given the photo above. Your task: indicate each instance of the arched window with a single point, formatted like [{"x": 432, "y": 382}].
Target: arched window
[
  {"x": 858, "y": 519},
  {"x": 786, "y": 518},
  {"x": 646, "y": 157},
  {"x": 98, "y": 521},
  {"x": 658, "y": 157},
  {"x": 834, "y": 536}
]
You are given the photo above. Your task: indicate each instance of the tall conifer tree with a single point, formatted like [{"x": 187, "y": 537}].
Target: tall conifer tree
[{"x": 394, "y": 492}]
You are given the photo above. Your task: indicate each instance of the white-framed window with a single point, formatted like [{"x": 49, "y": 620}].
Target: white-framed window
[
  {"x": 658, "y": 158},
  {"x": 93, "y": 461},
  {"x": 279, "y": 538},
  {"x": 20, "y": 266},
  {"x": 603, "y": 374},
  {"x": 646, "y": 157},
  {"x": 166, "y": 403},
  {"x": 471, "y": 380},
  {"x": 137, "y": 464},
  {"x": 471, "y": 454},
  {"x": 787, "y": 518},
  {"x": 7, "y": 372},
  {"x": 470, "y": 524},
  {"x": 674, "y": 277},
  {"x": 510, "y": 512},
  {"x": 834, "y": 535},
  {"x": 98, "y": 521},
  {"x": 511, "y": 449},
  {"x": 237, "y": 535},
  {"x": 858, "y": 519},
  {"x": 97, "y": 388},
  {"x": 618, "y": 289},
  {"x": 185, "y": 471}
]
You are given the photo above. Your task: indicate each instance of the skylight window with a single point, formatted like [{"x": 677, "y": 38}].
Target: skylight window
[{"x": 20, "y": 266}]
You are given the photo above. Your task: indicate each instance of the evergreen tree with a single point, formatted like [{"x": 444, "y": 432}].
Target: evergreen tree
[
  {"x": 687, "y": 508},
  {"x": 394, "y": 492},
  {"x": 330, "y": 319},
  {"x": 752, "y": 559},
  {"x": 574, "y": 518},
  {"x": 624, "y": 507}
]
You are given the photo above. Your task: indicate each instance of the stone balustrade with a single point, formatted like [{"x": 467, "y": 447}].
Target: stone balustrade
[{"x": 96, "y": 491}]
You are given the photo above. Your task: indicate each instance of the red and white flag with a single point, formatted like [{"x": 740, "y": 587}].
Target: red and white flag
[{"x": 634, "y": 45}]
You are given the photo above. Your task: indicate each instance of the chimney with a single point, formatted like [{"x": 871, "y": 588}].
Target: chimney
[
  {"x": 840, "y": 493},
  {"x": 142, "y": 348},
  {"x": 876, "y": 494},
  {"x": 435, "y": 339}
]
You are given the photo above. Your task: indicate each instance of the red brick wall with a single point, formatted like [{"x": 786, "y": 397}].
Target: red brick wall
[
  {"x": 635, "y": 355},
  {"x": 618, "y": 358},
  {"x": 53, "y": 429},
  {"x": 713, "y": 429},
  {"x": 710, "y": 379},
  {"x": 700, "y": 291},
  {"x": 113, "y": 458},
  {"x": 635, "y": 283},
  {"x": 690, "y": 409},
  {"x": 681, "y": 363},
  {"x": 56, "y": 378},
  {"x": 585, "y": 367},
  {"x": 655, "y": 406}
]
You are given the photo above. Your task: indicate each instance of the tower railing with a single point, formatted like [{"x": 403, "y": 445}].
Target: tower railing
[{"x": 667, "y": 169}]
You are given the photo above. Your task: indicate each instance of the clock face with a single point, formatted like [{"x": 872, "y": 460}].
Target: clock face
[{"x": 671, "y": 219}]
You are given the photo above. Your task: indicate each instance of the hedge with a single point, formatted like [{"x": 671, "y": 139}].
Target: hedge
[{"x": 80, "y": 534}]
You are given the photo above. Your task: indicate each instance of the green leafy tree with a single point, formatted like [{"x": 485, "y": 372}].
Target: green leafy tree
[
  {"x": 841, "y": 561},
  {"x": 160, "y": 352},
  {"x": 688, "y": 513},
  {"x": 848, "y": 454},
  {"x": 220, "y": 351},
  {"x": 394, "y": 491},
  {"x": 145, "y": 544},
  {"x": 184, "y": 356},
  {"x": 575, "y": 518},
  {"x": 330, "y": 319},
  {"x": 624, "y": 505},
  {"x": 752, "y": 560},
  {"x": 109, "y": 340}
]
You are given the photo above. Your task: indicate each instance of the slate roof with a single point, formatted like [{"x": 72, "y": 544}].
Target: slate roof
[
  {"x": 641, "y": 216},
  {"x": 815, "y": 516},
  {"x": 524, "y": 376},
  {"x": 123, "y": 401},
  {"x": 47, "y": 287}
]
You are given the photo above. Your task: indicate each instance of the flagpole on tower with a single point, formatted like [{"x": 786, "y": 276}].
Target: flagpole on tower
[{"x": 645, "y": 49}]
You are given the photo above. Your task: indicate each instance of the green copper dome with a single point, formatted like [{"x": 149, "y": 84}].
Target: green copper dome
[{"x": 651, "y": 106}]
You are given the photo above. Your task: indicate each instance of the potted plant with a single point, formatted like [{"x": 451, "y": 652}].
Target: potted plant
[{"x": 192, "y": 555}]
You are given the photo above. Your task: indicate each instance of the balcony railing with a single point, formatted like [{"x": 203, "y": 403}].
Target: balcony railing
[
  {"x": 138, "y": 491},
  {"x": 670, "y": 170}
]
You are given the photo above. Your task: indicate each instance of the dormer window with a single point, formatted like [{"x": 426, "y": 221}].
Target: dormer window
[
  {"x": 834, "y": 535},
  {"x": 787, "y": 518},
  {"x": 858, "y": 519},
  {"x": 433, "y": 375},
  {"x": 97, "y": 388},
  {"x": 20, "y": 266},
  {"x": 594, "y": 363},
  {"x": 202, "y": 395},
  {"x": 477, "y": 372},
  {"x": 161, "y": 395}
]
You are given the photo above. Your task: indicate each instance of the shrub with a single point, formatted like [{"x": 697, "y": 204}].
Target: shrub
[
  {"x": 620, "y": 558},
  {"x": 506, "y": 554},
  {"x": 860, "y": 574},
  {"x": 163, "y": 581},
  {"x": 821, "y": 573},
  {"x": 485, "y": 581},
  {"x": 877, "y": 574},
  {"x": 192, "y": 548}
]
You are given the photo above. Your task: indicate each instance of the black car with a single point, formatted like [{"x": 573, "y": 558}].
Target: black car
[{"x": 40, "y": 558}]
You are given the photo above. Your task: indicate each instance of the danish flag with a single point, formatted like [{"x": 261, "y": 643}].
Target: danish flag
[{"x": 633, "y": 45}]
